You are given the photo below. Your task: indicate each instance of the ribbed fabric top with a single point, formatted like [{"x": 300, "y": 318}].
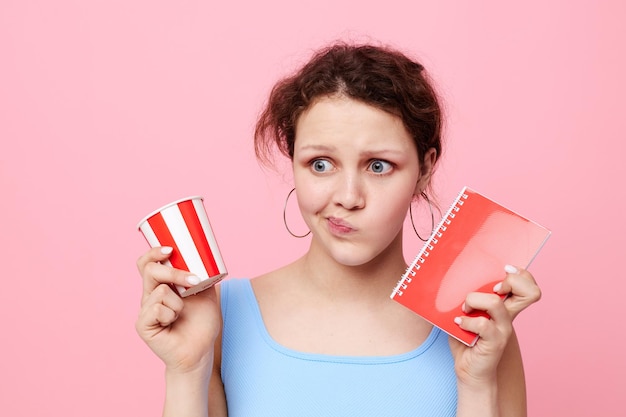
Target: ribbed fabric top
[{"x": 263, "y": 378}]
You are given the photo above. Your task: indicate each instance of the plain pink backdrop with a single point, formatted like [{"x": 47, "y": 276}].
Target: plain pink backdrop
[{"x": 109, "y": 109}]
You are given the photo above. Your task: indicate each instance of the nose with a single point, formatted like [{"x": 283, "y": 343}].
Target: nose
[{"x": 350, "y": 191}]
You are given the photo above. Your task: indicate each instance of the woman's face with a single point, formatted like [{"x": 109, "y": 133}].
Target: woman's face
[{"x": 356, "y": 171}]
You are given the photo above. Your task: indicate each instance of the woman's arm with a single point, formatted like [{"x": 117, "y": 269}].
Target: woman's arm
[
  {"x": 511, "y": 381},
  {"x": 503, "y": 395},
  {"x": 186, "y": 393},
  {"x": 490, "y": 375},
  {"x": 217, "y": 396},
  {"x": 181, "y": 332}
]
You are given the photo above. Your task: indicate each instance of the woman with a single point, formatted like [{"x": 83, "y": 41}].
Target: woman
[{"x": 320, "y": 336}]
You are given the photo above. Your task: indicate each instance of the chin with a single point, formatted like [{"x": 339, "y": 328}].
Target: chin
[{"x": 352, "y": 259}]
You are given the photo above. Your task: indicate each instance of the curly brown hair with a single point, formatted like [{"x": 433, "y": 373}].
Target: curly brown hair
[{"x": 376, "y": 75}]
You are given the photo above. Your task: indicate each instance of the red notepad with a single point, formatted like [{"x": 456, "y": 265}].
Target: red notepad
[{"x": 467, "y": 252}]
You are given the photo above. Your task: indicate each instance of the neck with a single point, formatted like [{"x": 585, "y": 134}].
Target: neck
[{"x": 374, "y": 280}]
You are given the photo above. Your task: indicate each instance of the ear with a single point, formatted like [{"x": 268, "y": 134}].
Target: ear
[{"x": 426, "y": 170}]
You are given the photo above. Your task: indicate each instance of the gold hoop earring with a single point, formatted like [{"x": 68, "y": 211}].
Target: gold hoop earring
[
  {"x": 432, "y": 217},
  {"x": 285, "y": 217}
]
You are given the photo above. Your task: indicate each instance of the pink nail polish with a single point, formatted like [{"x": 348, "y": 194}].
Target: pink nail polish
[
  {"x": 193, "y": 280},
  {"x": 511, "y": 269}
]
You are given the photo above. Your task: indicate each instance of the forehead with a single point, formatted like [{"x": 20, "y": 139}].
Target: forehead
[{"x": 336, "y": 120}]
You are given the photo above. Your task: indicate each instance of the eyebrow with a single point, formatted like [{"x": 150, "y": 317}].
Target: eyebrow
[
  {"x": 315, "y": 147},
  {"x": 374, "y": 152},
  {"x": 384, "y": 152}
]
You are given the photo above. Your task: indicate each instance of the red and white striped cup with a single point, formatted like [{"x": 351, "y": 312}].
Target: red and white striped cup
[{"x": 184, "y": 225}]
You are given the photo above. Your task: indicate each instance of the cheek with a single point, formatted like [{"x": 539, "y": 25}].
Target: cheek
[
  {"x": 392, "y": 210},
  {"x": 309, "y": 194},
  {"x": 307, "y": 206},
  {"x": 394, "y": 213}
]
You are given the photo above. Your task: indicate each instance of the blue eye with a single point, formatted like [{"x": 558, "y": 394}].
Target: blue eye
[
  {"x": 380, "y": 167},
  {"x": 321, "y": 165}
]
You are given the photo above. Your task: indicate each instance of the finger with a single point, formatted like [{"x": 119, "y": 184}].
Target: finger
[
  {"x": 163, "y": 315},
  {"x": 487, "y": 305},
  {"x": 487, "y": 317},
  {"x": 157, "y": 254},
  {"x": 515, "y": 275},
  {"x": 480, "y": 325},
  {"x": 155, "y": 274},
  {"x": 521, "y": 286},
  {"x": 153, "y": 320},
  {"x": 161, "y": 309},
  {"x": 164, "y": 294}
]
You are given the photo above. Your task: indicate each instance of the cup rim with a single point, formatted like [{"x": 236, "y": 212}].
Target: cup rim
[{"x": 173, "y": 203}]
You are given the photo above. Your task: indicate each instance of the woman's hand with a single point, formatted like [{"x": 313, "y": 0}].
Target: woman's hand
[
  {"x": 478, "y": 364},
  {"x": 181, "y": 332}
]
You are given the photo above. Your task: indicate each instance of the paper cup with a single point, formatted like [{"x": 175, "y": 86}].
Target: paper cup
[{"x": 184, "y": 226}]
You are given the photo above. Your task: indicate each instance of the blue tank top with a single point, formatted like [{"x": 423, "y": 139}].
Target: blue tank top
[{"x": 265, "y": 379}]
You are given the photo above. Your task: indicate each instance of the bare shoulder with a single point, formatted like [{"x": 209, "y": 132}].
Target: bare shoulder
[{"x": 275, "y": 283}]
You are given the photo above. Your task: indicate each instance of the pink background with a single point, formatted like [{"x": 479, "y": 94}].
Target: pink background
[{"x": 109, "y": 109}]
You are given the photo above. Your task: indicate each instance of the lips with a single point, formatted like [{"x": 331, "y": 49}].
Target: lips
[{"x": 339, "y": 226}]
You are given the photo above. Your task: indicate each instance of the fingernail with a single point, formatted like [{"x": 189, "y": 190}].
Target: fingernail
[
  {"x": 457, "y": 320},
  {"x": 193, "y": 280},
  {"x": 166, "y": 250},
  {"x": 511, "y": 269},
  {"x": 463, "y": 308},
  {"x": 497, "y": 287}
]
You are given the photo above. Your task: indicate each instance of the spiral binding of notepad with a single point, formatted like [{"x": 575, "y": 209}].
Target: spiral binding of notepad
[{"x": 429, "y": 245}]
